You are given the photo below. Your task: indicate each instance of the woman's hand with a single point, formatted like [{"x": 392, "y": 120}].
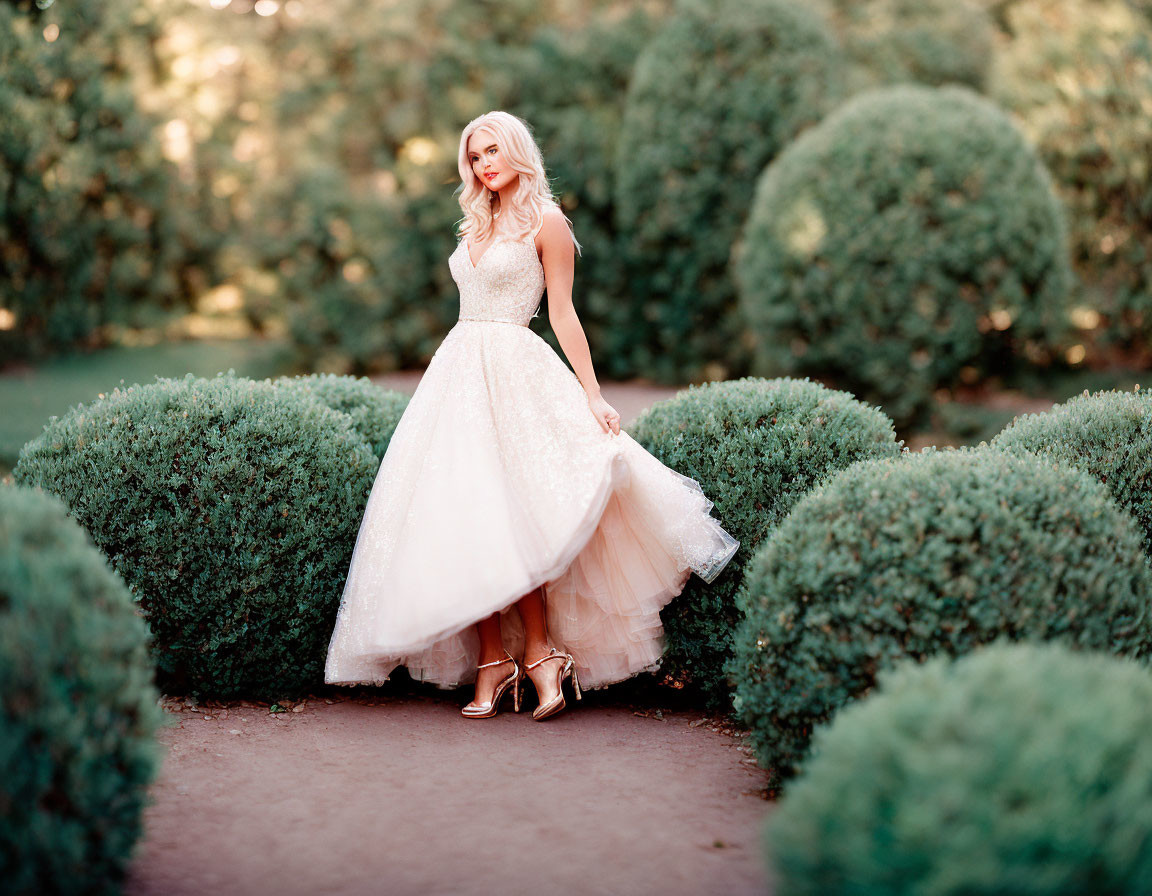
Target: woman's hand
[{"x": 605, "y": 414}]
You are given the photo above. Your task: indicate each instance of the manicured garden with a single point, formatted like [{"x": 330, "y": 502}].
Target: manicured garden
[
  {"x": 890, "y": 259},
  {"x": 224, "y": 511}
]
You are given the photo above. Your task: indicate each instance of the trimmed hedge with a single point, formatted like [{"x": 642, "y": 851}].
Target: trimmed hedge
[
  {"x": 756, "y": 447},
  {"x": 936, "y": 552},
  {"x": 374, "y": 411},
  {"x": 1018, "y": 769},
  {"x": 713, "y": 97},
  {"x": 1106, "y": 434},
  {"x": 78, "y": 708},
  {"x": 231, "y": 508},
  {"x": 911, "y": 235}
]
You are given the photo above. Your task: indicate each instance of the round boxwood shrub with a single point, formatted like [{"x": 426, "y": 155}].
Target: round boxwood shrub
[
  {"x": 231, "y": 508},
  {"x": 713, "y": 97},
  {"x": 374, "y": 411},
  {"x": 1106, "y": 434},
  {"x": 78, "y": 707},
  {"x": 1022, "y": 768},
  {"x": 935, "y": 552},
  {"x": 911, "y": 238},
  {"x": 756, "y": 446}
]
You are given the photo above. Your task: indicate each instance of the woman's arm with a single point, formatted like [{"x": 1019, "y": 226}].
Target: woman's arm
[{"x": 558, "y": 258}]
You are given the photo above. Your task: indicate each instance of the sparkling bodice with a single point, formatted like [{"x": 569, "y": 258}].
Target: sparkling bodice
[{"x": 506, "y": 285}]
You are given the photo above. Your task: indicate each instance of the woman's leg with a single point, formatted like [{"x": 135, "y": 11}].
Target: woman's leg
[
  {"x": 531, "y": 607},
  {"x": 491, "y": 651}
]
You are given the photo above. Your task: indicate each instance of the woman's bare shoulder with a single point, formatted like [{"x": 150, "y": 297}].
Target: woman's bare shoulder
[{"x": 554, "y": 228}]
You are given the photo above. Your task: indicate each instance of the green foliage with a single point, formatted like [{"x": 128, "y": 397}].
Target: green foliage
[
  {"x": 363, "y": 280},
  {"x": 911, "y": 236},
  {"x": 1108, "y": 435},
  {"x": 231, "y": 508},
  {"x": 714, "y": 96},
  {"x": 1077, "y": 74},
  {"x": 1018, "y": 769},
  {"x": 374, "y": 411},
  {"x": 927, "y": 41},
  {"x": 410, "y": 69},
  {"x": 756, "y": 447},
  {"x": 78, "y": 708},
  {"x": 935, "y": 552},
  {"x": 87, "y": 201}
]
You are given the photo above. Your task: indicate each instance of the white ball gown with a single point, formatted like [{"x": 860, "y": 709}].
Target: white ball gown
[{"x": 498, "y": 478}]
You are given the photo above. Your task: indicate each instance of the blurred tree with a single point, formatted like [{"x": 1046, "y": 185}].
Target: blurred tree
[
  {"x": 87, "y": 236},
  {"x": 927, "y": 41},
  {"x": 713, "y": 98},
  {"x": 1077, "y": 74}
]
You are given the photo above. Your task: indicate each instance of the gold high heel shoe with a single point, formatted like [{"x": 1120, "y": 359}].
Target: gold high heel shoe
[
  {"x": 476, "y": 710},
  {"x": 567, "y": 668}
]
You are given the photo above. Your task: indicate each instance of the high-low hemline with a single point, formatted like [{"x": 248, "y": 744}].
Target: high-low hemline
[{"x": 619, "y": 476}]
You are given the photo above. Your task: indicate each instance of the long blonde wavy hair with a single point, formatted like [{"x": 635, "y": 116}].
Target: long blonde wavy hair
[{"x": 533, "y": 193}]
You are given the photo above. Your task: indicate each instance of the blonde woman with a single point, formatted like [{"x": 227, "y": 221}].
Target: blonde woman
[{"x": 508, "y": 483}]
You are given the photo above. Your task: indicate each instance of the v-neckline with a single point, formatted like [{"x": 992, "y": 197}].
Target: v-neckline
[{"x": 468, "y": 250}]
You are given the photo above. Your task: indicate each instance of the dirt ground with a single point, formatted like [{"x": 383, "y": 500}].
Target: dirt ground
[{"x": 370, "y": 794}]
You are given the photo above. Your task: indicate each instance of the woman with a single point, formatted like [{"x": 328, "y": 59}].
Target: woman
[{"x": 509, "y": 483}]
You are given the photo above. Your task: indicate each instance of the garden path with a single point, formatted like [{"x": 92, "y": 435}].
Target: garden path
[{"x": 372, "y": 794}]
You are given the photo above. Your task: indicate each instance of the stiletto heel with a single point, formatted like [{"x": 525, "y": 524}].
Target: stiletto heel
[
  {"x": 475, "y": 710},
  {"x": 566, "y": 669}
]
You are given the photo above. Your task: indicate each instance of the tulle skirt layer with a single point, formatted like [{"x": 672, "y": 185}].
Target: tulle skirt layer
[{"x": 499, "y": 479}]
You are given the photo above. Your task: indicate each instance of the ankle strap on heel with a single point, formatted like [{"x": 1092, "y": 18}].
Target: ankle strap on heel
[
  {"x": 554, "y": 655},
  {"x": 507, "y": 659}
]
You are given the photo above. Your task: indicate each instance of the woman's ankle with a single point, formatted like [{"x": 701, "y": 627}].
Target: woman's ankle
[
  {"x": 535, "y": 651},
  {"x": 492, "y": 656}
]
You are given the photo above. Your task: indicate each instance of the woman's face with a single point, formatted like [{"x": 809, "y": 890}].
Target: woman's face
[{"x": 487, "y": 161}]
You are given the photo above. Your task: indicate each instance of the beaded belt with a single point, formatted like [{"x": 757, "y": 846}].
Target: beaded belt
[{"x": 493, "y": 320}]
